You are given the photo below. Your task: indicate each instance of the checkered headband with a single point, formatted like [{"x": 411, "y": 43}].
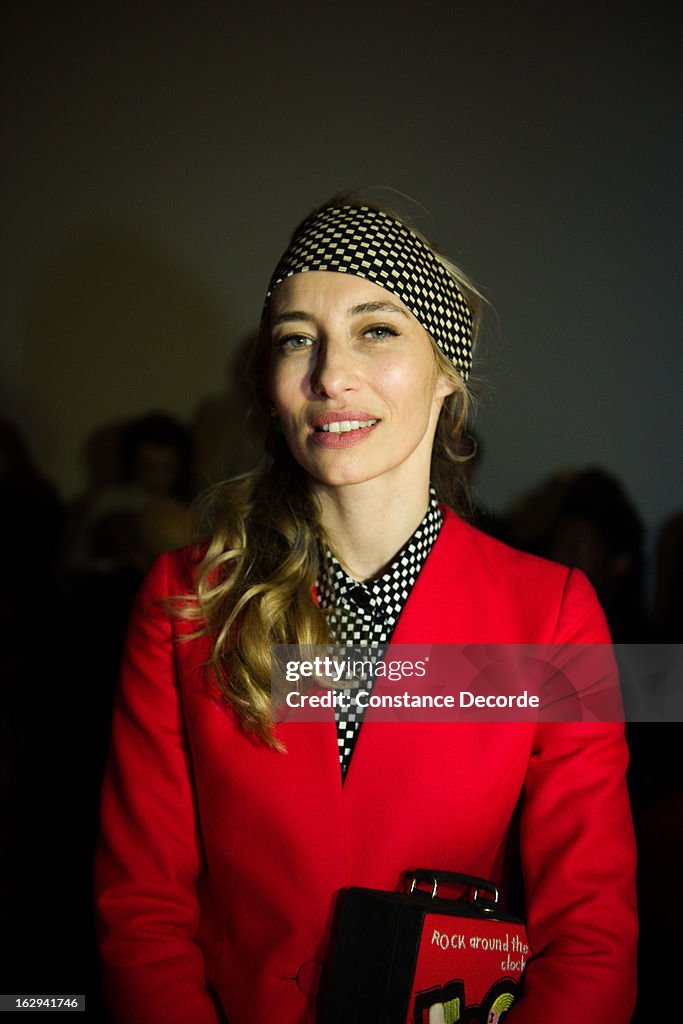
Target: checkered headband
[{"x": 374, "y": 245}]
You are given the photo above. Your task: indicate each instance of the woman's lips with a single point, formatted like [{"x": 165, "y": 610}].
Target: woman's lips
[{"x": 342, "y": 429}]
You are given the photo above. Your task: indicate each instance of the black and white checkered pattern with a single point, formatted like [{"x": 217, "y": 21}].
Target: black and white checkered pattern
[
  {"x": 372, "y": 244},
  {"x": 363, "y": 615}
]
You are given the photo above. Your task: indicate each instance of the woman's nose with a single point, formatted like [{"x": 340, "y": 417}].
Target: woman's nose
[{"x": 334, "y": 370}]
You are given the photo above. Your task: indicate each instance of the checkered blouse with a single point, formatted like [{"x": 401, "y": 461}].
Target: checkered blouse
[{"x": 365, "y": 614}]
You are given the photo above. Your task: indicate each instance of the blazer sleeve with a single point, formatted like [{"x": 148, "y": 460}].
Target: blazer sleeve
[
  {"x": 148, "y": 856},
  {"x": 578, "y": 857}
]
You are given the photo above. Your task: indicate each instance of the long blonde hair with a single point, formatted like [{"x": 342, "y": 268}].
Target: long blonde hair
[{"x": 256, "y": 574}]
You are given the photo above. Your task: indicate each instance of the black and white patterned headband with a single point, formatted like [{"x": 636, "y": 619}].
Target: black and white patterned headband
[{"x": 374, "y": 245}]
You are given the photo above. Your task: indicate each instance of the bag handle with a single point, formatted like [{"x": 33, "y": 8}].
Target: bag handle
[{"x": 472, "y": 883}]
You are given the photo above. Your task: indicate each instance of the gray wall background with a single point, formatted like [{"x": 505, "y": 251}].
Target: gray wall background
[{"x": 157, "y": 156}]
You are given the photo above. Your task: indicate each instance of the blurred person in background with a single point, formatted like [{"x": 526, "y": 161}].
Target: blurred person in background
[{"x": 584, "y": 519}]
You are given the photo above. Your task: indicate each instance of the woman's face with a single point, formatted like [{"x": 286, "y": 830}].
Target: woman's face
[{"x": 354, "y": 381}]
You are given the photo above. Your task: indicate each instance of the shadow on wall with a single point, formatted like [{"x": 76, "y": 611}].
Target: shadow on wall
[
  {"x": 229, "y": 427},
  {"x": 115, "y": 325}
]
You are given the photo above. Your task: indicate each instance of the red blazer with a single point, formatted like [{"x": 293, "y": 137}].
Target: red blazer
[{"x": 220, "y": 859}]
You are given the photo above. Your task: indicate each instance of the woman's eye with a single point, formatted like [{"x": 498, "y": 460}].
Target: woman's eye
[
  {"x": 381, "y": 332},
  {"x": 293, "y": 342}
]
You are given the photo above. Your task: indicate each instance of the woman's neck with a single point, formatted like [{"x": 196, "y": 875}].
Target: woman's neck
[{"x": 367, "y": 524}]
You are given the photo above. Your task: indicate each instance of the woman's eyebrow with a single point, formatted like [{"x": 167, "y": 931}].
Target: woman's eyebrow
[
  {"x": 376, "y": 307},
  {"x": 379, "y": 306},
  {"x": 291, "y": 315}
]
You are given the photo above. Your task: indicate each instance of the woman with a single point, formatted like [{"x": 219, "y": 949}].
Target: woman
[{"x": 226, "y": 838}]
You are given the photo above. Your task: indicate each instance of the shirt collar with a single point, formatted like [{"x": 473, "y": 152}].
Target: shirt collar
[{"x": 390, "y": 590}]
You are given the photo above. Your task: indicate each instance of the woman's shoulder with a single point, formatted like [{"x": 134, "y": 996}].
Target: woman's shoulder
[
  {"x": 543, "y": 600},
  {"x": 173, "y": 573},
  {"x": 471, "y": 541}
]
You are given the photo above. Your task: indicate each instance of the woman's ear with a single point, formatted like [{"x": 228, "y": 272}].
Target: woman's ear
[{"x": 447, "y": 384}]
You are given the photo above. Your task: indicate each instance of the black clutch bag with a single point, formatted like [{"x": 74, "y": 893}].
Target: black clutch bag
[{"x": 417, "y": 957}]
